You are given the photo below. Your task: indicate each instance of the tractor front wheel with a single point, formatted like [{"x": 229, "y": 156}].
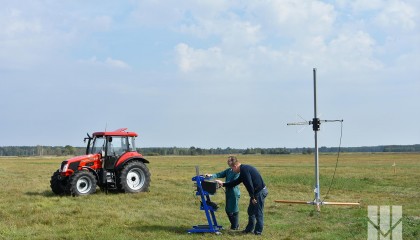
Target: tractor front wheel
[
  {"x": 57, "y": 184},
  {"x": 82, "y": 183},
  {"x": 134, "y": 178}
]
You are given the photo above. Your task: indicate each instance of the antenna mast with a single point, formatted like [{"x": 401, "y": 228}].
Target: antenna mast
[{"x": 316, "y": 126}]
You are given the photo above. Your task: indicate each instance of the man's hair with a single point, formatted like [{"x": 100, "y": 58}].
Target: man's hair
[{"x": 232, "y": 161}]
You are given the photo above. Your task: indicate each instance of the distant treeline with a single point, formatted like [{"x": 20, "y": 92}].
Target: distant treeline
[{"x": 162, "y": 151}]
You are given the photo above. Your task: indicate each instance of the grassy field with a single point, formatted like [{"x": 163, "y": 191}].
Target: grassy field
[{"x": 29, "y": 210}]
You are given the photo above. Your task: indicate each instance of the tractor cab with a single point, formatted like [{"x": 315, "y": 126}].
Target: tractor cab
[{"x": 111, "y": 148}]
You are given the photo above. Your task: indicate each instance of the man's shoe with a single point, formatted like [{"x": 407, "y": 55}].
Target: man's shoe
[
  {"x": 257, "y": 233},
  {"x": 246, "y": 231}
]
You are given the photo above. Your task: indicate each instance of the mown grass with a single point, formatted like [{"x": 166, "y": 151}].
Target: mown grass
[{"x": 29, "y": 210}]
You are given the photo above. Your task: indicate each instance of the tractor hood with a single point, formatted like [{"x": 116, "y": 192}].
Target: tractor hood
[
  {"x": 76, "y": 163},
  {"x": 90, "y": 157}
]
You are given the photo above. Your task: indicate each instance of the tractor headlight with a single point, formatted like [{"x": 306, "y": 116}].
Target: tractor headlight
[{"x": 64, "y": 168}]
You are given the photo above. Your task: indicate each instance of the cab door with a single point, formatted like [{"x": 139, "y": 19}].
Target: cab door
[{"x": 116, "y": 147}]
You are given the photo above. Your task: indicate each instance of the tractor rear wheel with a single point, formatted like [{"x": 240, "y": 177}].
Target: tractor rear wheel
[
  {"x": 134, "y": 178},
  {"x": 82, "y": 183},
  {"x": 57, "y": 184}
]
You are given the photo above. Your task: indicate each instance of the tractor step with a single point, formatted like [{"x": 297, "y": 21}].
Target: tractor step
[{"x": 111, "y": 186}]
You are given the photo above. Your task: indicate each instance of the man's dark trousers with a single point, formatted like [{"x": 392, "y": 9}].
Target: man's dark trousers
[{"x": 256, "y": 213}]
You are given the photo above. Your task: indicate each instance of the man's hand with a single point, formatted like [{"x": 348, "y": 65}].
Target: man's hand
[
  {"x": 220, "y": 183},
  {"x": 208, "y": 175},
  {"x": 254, "y": 201}
]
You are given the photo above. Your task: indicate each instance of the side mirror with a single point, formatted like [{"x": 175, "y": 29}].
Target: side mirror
[{"x": 88, "y": 137}]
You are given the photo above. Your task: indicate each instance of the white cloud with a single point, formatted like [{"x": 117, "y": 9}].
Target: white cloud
[
  {"x": 245, "y": 38},
  {"x": 14, "y": 24},
  {"x": 363, "y": 5},
  {"x": 41, "y": 34},
  {"x": 211, "y": 64},
  {"x": 240, "y": 34},
  {"x": 156, "y": 13},
  {"x": 188, "y": 58},
  {"x": 98, "y": 23},
  {"x": 116, "y": 63},
  {"x": 353, "y": 51},
  {"x": 108, "y": 62},
  {"x": 397, "y": 15},
  {"x": 25, "y": 41},
  {"x": 295, "y": 19},
  {"x": 391, "y": 16},
  {"x": 270, "y": 38}
]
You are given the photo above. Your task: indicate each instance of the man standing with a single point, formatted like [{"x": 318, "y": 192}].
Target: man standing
[{"x": 257, "y": 190}]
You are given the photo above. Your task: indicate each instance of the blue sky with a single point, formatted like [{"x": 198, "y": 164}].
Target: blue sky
[{"x": 210, "y": 73}]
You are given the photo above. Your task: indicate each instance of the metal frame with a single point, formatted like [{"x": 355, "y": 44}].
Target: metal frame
[
  {"x": 212, "y": 226},
  {"x": 316, "y": 123}
]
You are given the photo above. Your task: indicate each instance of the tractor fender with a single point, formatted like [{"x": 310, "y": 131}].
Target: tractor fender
[
  {"x": 92, "y": 170},
  {"x": 120, "y": 165}
]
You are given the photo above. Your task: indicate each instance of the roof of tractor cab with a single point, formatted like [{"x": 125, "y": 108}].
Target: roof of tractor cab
[{"x": 118, "y": 132}]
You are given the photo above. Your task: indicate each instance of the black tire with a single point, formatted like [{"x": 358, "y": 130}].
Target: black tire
[
  {"x": 82, "y": 183},
  {"x": 134, "y": 178},
  {"x": 58, "y": 184}
]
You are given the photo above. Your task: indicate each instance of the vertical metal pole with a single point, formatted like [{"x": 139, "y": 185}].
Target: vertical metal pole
[{"x": 315, "y": 121}]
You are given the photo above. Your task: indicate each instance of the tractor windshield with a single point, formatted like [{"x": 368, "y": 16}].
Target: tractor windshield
[{"x": 98, "y": 145}]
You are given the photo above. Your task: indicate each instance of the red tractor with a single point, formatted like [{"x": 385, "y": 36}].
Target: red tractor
[{"x": 111, "y": 162}]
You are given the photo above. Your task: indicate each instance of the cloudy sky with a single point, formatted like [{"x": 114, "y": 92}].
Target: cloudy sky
[{"x": 210, "y": 73}]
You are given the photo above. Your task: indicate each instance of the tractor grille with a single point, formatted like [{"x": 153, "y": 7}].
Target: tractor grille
[{"x": 74, "y": 166}]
